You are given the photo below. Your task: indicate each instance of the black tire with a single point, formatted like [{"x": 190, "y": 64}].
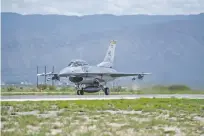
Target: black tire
[
  {"x": 106, "y": 91},
  {"x": 78, "y": 92},
  {"x": 81, "y": 92}
]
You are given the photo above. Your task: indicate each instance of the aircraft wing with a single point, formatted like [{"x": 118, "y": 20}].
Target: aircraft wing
[
  {"x": 90, "y": 74},
  {"x": 115, "y": 74},
  {"x": 127, "y": 74}
]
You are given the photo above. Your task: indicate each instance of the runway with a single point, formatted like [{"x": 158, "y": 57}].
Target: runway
[{"x": 95, "y": 97}]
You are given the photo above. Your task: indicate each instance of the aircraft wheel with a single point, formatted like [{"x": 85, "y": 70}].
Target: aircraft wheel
[
  {"x": 81, "y": 92},
  {"x": 78, "y": 92},
  {"x": 106, "y": 91}
]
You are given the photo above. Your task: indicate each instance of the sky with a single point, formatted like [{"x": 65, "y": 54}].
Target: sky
[{"x": 116, "y": 7}]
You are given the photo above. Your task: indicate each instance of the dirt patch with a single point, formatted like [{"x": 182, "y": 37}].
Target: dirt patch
[
  {"x": 55, "y": 131},
  {"x": 8, "y": 130},
  {"x": 32, "y": 129},
  {"x": 198, "y": 118},
  {"x": 116, "y": 125},
  {"x": 137, "y": 119},
  {"x": 122, "y": 112},
  {"x": 127, "y": 132},
  {"x": 28, "y": 113},
  {"x": 175, "y": 129}
]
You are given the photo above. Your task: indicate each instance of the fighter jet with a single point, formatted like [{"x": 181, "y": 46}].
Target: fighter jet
[{"x": 92, "y": 79}]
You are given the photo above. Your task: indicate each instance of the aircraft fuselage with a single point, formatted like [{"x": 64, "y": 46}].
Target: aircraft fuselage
[{"x": 89, "y": 79}]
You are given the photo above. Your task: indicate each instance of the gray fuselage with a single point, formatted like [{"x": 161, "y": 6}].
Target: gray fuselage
[{"x": 89, "y": 79}]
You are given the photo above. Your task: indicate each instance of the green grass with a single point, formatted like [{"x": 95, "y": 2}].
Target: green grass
[
  {"x": 93, "y": 117},
  {"x": 41, "y": 88},
  {"x": 144, "y": 104},
  {"x": 52, "y": 90},
  {"x": 73, "y": 92}
]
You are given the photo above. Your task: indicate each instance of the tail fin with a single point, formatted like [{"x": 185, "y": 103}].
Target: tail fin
[{"x": 110, "y": 55}]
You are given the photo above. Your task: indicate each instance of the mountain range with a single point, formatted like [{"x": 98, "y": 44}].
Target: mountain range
[{"x": 171, "y": 47}]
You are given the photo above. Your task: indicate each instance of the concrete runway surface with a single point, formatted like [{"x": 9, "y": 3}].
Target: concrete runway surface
[{"x": 95, "y": 97}]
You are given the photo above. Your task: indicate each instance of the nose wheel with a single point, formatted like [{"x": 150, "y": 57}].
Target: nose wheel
[{"x": 80, "y": 92}]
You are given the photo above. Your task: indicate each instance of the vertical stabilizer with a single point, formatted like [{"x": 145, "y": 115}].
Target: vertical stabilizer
[{"x": 110, "y": 55}]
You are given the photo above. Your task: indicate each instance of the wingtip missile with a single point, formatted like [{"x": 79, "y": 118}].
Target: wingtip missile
[
  {"x": 47, "y": 74},
  {"x": 41, "y": 74}
]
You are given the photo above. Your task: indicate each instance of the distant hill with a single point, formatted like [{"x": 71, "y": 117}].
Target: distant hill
[{"x": 171, "y": 47}]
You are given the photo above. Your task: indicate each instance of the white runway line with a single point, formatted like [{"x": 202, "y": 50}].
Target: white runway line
[{"x": 93, "y": 97}]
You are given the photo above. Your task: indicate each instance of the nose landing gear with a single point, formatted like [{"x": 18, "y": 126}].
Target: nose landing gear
[{"x": 80, "y": 90}]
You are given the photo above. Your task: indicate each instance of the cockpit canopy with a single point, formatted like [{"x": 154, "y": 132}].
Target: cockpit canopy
[{"x": 76, "y": 63}]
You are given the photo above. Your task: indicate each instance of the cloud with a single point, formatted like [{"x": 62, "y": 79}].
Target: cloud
[{"x": 117, "y": 7}]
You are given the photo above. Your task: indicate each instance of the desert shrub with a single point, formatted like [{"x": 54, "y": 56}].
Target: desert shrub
[
  {"x": 138, "y": 92},
  {"x": 42, "y": 87},
  {"x": 33, "y": 89},
  {"x": 179, "y": 87},
  {"x": 160, "y": 87},
  {"x": 10, "y": 88},
  {"x": 46, "y": 87},
  {"x": 51, "y": 87},
  {"x": 66, "y": 89},
  {"x": 117, "y": 89},
  {"x": 171, "y": 87},
  {"x": 21, "y": 88}
]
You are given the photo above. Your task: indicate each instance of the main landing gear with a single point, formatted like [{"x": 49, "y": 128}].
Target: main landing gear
[
  {"x": 80, "y": 92},
  {"x": 106, "y": 91}
]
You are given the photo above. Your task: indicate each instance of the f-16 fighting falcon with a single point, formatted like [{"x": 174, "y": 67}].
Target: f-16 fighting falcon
[{"x": 89, "y": 78}]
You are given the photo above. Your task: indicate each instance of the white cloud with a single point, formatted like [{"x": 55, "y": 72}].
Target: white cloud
[{"x": 117, "y": 7}]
